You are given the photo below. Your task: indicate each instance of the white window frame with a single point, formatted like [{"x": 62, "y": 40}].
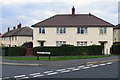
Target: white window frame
[
  {"x": 41, "y": 30},
  {"x": 114, "y": 31},
  {"x": 15, "y": 38},
  {"x": 79, "y": 30},
  {"x": 9, "y": 38},
  {"x": 61, "y": 30},
  {"x": 102, "y": 30},
  {"x": 60, "y": 43},
  {"x": 12, "y": 38},
  {"x": 81, "y": 43},
  {"x": 6, "y": 38}
]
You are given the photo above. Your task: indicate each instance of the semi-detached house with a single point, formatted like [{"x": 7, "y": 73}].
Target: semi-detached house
[
  {"x": 116, "y": 34},
  {"x": 74, "y": 29},
  {"x": 18, "y": 36}
]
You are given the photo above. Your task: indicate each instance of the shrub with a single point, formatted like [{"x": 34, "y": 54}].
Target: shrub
[
  {"x": 4, "y": 51},
  {"x": 70, "y": 50},
  {"x": 94, "y": 50},
  {"x": 13, "y": 51},
  {"x": 116, "y": 49},
  {"x": 16, "y": 51}
]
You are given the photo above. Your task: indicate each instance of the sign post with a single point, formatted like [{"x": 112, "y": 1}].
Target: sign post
[{"x": 43, "y": 53}]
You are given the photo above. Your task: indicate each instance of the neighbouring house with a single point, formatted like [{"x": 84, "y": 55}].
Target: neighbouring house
[
  {"x": 0, "y": 39},
  {"x": 17, "y": 37},
  {"x": 116, "y": 34},
  {"x": 74, "y": 29}
]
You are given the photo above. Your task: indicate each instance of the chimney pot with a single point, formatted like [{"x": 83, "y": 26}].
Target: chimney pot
[
  {"x": 89, "y": 14},
  {"x": 8, "y": 29},
  {"x": 19, "y": 26},
  {"x": 73, "y": 11},
  {"x": 14, "y": 28}
]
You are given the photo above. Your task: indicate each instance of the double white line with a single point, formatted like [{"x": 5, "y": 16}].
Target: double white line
[
  {"x": 36, "y": 74},
  {"x": 21, "y": 77},
  {"x": 50, "y": 72}
]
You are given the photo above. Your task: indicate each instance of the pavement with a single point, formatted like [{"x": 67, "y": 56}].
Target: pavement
[{"x": 59, "y": 63}]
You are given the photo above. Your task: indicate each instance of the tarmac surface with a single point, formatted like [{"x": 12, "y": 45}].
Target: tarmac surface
[
  {"x": 106, "y": 67},
  {"x": 57, "y": 63}
]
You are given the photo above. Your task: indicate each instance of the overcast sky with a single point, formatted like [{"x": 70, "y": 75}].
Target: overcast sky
[{"x": 29, "y": 12}]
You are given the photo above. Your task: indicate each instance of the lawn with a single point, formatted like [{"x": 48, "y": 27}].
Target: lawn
[{"x": 55, "y": 58}]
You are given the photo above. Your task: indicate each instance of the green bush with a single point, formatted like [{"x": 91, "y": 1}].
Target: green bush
[
  {"x": 116, "y": 49},
  {"x": 0, "y": 51},
  {"x": 4, "y": 51},
  {"x": 13, "y": 51},
  {"x": 70, "y": 50},
  {"x": 94, "y": 50},
  {"x": 16, "y": 51}
]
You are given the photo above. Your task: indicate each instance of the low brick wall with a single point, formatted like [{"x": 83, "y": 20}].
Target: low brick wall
[{"x": 29, "y": 51}]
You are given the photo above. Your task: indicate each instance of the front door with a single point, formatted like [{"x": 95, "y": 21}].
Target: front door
[
  {"x": 42, "y": 43},
  {"x": 103, "y": 47}
]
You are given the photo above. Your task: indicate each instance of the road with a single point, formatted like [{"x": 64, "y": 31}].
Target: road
[{"x": 101, "y": 70}]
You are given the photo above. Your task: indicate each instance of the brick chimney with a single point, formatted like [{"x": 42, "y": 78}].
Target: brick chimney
[
  {"x": 8, "y": 29},
  {"x": 73, "y": 11},
  {"x": 19, "y": 26},
  {"x": 90, "y": 14},
  {"x": 14, "y": 28}
]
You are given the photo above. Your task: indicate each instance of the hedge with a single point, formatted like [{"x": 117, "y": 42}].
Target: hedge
[
  {"x": 4, "y": 51},
  {"x": 0, "y": 51},
  {"x": 13, "y": 51},
  {"x": 70, "y": 50},
  {"x": 116, "y": 49}
]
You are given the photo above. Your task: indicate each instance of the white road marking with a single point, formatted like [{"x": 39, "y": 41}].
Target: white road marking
[
  {"x": 89, "y": 64},
  {"x": 81, "y": 66},
  {"x": 95, "y": 66},
  {"x": 48, "y": 71},
  {"x": 19, "y": 76},
  {"x": 5, "y": 78},
  {"x": 60, "y": 69},
  {"x": 35, "y": 74},
  {"x": 71, "y": 68},
  {"x": 75, "y": 69},
  {"x": 65, "y": 71},
  {"x": 109, "y": 63},
  {"x": 102, "y": 64},
  {"x": 52, "y": 73},
  {"x": 38, "y": 75},
  {"x": 85, "y": 67}
]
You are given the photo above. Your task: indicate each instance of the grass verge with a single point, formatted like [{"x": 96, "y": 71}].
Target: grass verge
[{"x": 55, "y": 58}]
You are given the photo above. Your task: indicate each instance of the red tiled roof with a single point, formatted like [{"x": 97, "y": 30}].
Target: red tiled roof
[
  {"x": 4, "y": 34},
  {"x": 24, "y": 31},
  {"x": 77, "y": 20}
]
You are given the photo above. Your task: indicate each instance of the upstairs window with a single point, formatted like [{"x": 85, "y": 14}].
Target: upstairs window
[
  {"x": 82, "y": 30},
  {"x": 114, "y": 31},
  {"x": 9, "y": 38},
  {"x": 61, "y": 30},
  {"x": 103, "y": 30},
  {"x": 15, "y": 38},
  {"x": 6, "y": 38},
  {"x": 82, "y": 43},
  {"x": 42, "y": 30},
  {"x": 12, "y": 38}
]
